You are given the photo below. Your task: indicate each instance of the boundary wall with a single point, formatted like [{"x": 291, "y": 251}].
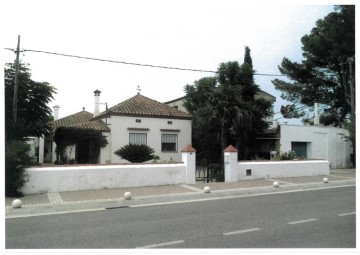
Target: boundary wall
[
  {"x": 282, "y": 169},
  {"x": 252, "y": 170},
  {"x": 74, "y": 178},
  {"x": 60, "y": 179}
]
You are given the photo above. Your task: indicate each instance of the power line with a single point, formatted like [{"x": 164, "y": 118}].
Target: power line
[{"x": 129, "y": 63}]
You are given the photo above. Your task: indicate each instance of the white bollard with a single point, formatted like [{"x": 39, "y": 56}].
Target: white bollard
[
  {"x": 16, "y": 203},
  {"x": 127, "y": 195},
  {"x": 276, "y": 185},
  {"x": 325, "y": 180},
  {"x": 207, "y": 189}
]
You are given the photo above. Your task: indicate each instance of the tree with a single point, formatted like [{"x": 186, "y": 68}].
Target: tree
[
  {"x": 324, "y": 76},
  {"x": 33, "y": 109},
  {"x": 32, "y": 119},
  {"x": 225, "y": 107}
]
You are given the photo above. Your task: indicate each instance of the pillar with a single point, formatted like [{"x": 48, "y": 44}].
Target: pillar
[
  {"x": 231, "y": 164},
  {"x": 189, "y": 158},
  {"x": 41, "y": 150}
]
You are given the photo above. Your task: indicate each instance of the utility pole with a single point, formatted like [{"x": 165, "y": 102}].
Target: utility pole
[
  {"x": 15, "y": 98},
  {"x": 352, "y": 92}
]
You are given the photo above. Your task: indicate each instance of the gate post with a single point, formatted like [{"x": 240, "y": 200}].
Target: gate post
[
  {"x": 231, "y": 164},
  {"x": 189, "y": 158}
]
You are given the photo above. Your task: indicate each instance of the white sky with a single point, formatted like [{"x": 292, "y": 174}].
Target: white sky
[{"x": 186, "y": 34}]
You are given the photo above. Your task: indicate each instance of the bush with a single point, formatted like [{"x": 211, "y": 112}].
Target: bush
[
  {"x": 135, "y": 153},
  {"x": 17, "y": 158},
  {"x": 290, "y": 155}
]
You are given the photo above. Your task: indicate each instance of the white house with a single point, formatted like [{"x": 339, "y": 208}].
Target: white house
[
  {"x": 318, "y": 142},
  {"x": 137, "y": 120},
  {"x": 141, "y": 120}
]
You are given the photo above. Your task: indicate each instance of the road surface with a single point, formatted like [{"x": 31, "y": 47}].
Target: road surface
[{"x": 322, "y": 218}]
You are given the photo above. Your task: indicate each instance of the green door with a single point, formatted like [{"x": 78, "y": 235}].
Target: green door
[{"x": 300, "y": 149}]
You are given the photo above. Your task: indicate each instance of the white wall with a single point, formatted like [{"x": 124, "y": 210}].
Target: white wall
[
  {"x": 179, "y": 104},
  {"x": 120, "y": 136},
  {"x": 73, "y": 178},
  {"x": 327, "y": 143},
  {"x": 279, "y": 169}
]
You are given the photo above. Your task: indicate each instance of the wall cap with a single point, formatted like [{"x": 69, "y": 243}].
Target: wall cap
[
  {"x": 188, "y": 148},
  {"x": 230, "y": 148}
]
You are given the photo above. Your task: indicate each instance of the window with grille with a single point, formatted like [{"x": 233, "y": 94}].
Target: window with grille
[
  {"x": 137, "y": 138},
  {"x": 169, "y": 142}
]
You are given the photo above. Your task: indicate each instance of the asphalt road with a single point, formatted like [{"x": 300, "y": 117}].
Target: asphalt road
[{"x": 307, "y": 219}]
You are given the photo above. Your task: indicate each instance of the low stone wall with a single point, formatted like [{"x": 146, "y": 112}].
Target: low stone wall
[
  {"x": 73, "y": 178},
  {"x": 277, "y": 169}
]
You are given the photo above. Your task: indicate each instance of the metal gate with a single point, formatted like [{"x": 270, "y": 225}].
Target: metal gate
[{"x": 209, "y": 168}]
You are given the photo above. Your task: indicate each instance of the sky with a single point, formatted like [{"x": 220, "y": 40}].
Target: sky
[{"x": 185, "y": 34}]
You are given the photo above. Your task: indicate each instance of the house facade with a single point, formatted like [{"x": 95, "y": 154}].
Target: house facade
[
  {"x": 138, "y": 120},
  {"x": 141, "y": 120},
  {"x": 318, "y": 142}
]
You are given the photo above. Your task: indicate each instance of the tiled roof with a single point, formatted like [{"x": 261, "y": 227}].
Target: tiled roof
[
  {"x": 144, "y": 107},
  {"x": 94, "y": 124},
  {"x": 81, "y": 120}
]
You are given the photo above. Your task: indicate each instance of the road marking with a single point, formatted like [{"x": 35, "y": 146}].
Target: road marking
[
  {"x": 190, "y": 188},
  {"x": 301, "y": 221},
  {"x": 346, "y": 214},
  {"x": 241, "y": 231},
  {"x": 237, "y": 196},
  {"x": 156, "y": 245}
]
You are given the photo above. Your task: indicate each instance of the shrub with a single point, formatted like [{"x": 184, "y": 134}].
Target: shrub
[
  {"x": 17, "y": 158},
  {"x": 135, "y": 153},
  {"x": 289, "y": 155}
]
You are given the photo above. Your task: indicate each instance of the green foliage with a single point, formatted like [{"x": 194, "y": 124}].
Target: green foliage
[
  {"x": 17, "y": 158},
  {"x": 287, "y": 155},
  {"x": 32, "y": 107},
  {"x": 66, "y": 136},
  {"x": 135, "y": 153},
  {"x": 155, "y": 158},
  {"x": 290, "y": 111},
  {"x": 324, "y": 75},
  {"x": 224, "y": 107},
  {"x": 32, "y": 119}
]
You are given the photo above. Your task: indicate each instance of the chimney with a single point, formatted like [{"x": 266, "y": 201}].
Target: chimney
[
  {"x": 97, "y": 102},
  {"x": 56, "y": 112},
  {"x": 316, "y": 118}
]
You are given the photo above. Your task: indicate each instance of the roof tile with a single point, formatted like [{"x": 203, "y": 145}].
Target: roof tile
[
  {"x": 81, "y": 120},
  {"x": 145, "y": 107}
]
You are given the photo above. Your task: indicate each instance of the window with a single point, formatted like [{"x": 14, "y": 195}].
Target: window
[
  {"x": 137, "y": 138},
  {"x": 300, "y": 149},
  {"x": 138, "y": 120},
  {"x": 170, "y": 122},
  {"x": 169, "y": 142}
]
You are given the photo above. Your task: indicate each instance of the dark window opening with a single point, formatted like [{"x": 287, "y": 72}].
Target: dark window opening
[{"x": 169, "y": 142}]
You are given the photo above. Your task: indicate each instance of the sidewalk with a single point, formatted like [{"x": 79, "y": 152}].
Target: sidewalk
[{"x": 62, "y": 202}]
